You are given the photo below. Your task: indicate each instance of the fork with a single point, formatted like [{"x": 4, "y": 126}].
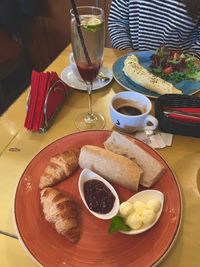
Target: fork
[{"x": 102, "y": 77}]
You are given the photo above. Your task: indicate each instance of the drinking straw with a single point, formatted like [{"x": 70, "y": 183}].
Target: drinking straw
[{"x": 80, "y": 32}]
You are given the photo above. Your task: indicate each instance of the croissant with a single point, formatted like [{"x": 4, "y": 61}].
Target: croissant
[
  {"x": 60, "y": 166},
  {"x": 62, "y": 212}
]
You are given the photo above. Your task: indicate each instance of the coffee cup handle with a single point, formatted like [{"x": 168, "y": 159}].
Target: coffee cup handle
[{"x": 152, "y": 120}]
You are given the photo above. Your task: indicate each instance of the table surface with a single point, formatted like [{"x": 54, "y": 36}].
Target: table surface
[{"x": 18, "y": 146}]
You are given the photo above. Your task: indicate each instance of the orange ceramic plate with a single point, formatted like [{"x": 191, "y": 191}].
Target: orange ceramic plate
[{"x": 96, "y": 247}]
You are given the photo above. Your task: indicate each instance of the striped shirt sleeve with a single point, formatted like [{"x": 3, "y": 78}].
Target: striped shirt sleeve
[
  {"x": 118, "y": 22},
  {"x": 195, "y": 47},
  {"x": 145, "y": 25}
]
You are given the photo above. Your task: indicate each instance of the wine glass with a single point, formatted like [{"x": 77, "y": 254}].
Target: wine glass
[{"x": 87, "y": 37}]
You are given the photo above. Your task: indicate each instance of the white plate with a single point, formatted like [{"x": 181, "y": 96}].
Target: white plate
[
  {"x": 68, "y": 77},
  {"x": 144, "y": 196}
]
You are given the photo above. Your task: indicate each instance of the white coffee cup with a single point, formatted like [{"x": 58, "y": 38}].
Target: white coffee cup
[
  {"x": 74, "y": 67},
  {"x": 132, "y": 101}
]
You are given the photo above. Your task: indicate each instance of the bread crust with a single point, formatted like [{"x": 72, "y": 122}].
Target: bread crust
[
  {"x": 113, "y": 167},
  {"x": 121, "y": 145}
]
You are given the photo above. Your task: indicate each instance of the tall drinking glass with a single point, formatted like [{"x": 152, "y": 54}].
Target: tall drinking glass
[{"x": 87, "y": 37}]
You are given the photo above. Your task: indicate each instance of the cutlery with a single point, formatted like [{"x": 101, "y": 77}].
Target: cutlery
[
  {"x": 186, "y": 114},
  {"x": 102, "y": 77}
]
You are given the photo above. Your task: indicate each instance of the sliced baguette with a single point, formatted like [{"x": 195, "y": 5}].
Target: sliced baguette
[
  {"x": 121, "y": 145},
  {"x": 111, "y": 166}
]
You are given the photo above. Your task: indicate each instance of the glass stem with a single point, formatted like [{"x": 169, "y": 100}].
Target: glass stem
[{"x": 89, "y": 90}]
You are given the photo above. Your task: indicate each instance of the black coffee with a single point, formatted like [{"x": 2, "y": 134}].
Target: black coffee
[{"x": 129, "y": 110}]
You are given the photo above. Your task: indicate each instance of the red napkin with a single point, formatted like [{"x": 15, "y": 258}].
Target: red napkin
[
  {"x": 41, "y": 94},
  {"x": 184, "y": 117},
  {"x": 187, "y": 109},
  {"x": 32, "y": 99},
  {"x": 55, "y": 99}
]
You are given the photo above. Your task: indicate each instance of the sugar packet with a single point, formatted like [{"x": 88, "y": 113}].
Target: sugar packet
[{"x": 155, "y": 139}]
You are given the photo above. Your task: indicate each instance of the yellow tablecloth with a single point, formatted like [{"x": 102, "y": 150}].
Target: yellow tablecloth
[{"x": 18, "y": 146}]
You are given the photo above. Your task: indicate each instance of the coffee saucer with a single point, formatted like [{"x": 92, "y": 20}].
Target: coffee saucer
[{"x": 68, "y": 77}]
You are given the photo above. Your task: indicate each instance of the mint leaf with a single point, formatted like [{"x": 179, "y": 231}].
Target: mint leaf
[
  {"x": 90, "y": 28},
  {"x": 118, "y": 224}
]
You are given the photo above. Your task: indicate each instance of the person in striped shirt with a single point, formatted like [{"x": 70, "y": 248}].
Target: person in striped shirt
[{"x": 147, "y": 24}]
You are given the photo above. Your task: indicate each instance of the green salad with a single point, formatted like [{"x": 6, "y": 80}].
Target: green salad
[{"x": 174, "y": 66}]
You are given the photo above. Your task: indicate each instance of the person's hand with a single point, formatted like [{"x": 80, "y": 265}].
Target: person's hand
[{"x": 129, "y": 50}]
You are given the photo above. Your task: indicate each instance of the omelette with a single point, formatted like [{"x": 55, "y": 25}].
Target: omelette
[{"x": 143, "y": 77}]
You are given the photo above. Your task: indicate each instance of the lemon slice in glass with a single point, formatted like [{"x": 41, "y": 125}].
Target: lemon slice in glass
[{"x": 92, "y": 24}]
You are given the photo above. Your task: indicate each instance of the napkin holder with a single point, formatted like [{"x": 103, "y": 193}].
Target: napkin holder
[
  {"x": 57, "y": 92},
  {"x": 174, "y": 126},
  {"x": 50, "y": 113}
]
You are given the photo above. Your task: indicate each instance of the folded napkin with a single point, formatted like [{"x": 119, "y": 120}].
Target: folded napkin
[
  {"x": 184, "y": 109},
  {"x": 184, "y": 118},
  {"x": 47, "y": 93},
  {"x": 185, "y": 115}
]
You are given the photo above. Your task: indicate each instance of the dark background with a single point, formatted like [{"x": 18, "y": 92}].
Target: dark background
[{"x": 32, "y": 34}]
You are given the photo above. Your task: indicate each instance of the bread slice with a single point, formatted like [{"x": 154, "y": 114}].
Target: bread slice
[
  {"x": 111, "y": 166},
  {"x": 121, "y": 145}
]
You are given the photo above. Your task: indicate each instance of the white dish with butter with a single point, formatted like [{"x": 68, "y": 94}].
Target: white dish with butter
[{"x": 153, "y": 201}]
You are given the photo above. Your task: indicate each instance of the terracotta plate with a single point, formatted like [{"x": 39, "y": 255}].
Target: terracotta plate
[{"x": 96, "y": 247}]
